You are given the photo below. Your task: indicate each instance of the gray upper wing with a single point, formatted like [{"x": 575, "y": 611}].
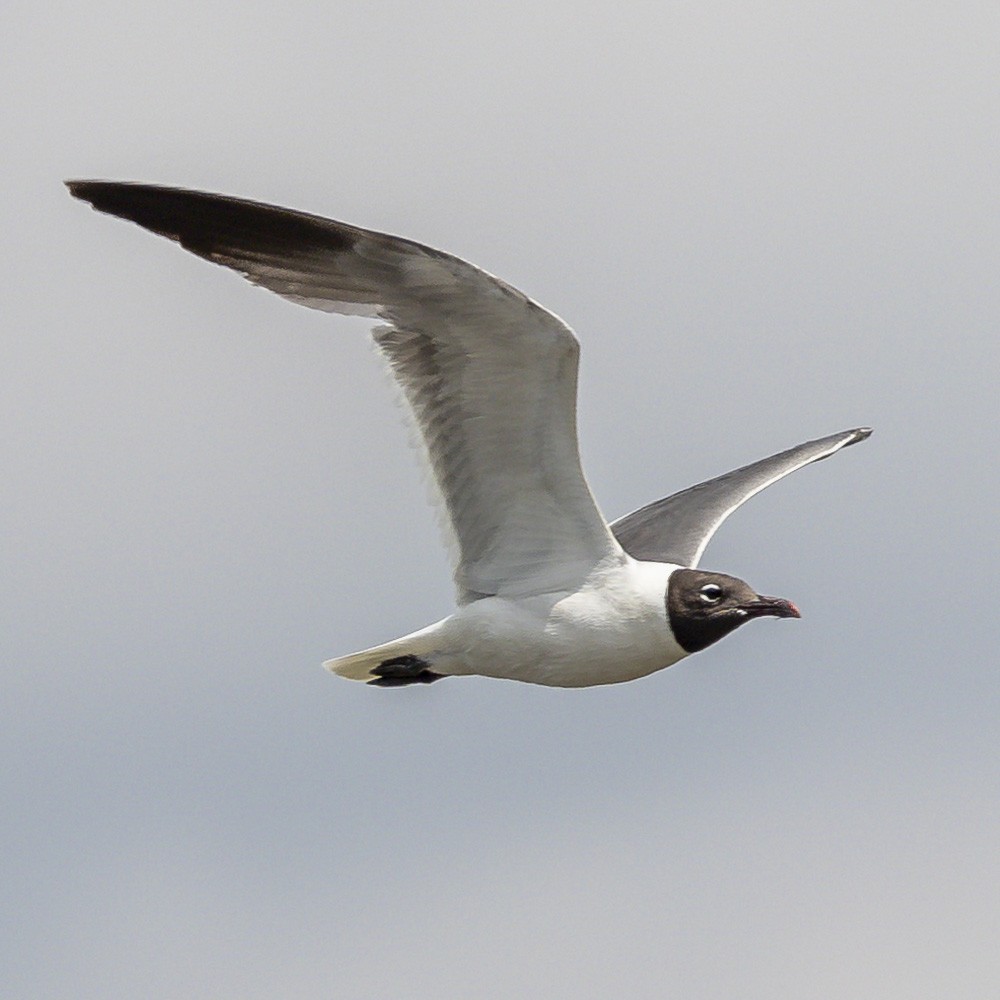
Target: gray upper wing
[
  {"x": 490, "y": 376},
  {"x": 677, "y": 528}
]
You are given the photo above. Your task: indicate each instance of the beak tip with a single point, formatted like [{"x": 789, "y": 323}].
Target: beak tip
[
  {"x": 776, "y": 606},
  {"x": 785, "y": 609}
]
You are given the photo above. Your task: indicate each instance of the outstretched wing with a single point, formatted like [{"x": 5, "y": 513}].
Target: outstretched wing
[
  {"x": 678, "y": 528},
  {"x": 489, "y": 375}
]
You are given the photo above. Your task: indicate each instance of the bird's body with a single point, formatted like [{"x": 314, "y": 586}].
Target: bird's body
[
  {"x": 613, "y": 628},
  {"x": 548, "y": 592}
]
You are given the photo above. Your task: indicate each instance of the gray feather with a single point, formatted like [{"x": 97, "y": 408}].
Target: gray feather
[
  {"x": 677, "y": 528},
  {"x": 489, "y": 375}
]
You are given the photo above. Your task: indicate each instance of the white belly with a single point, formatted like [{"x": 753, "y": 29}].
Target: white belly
[{"x": 615, "y": 629}]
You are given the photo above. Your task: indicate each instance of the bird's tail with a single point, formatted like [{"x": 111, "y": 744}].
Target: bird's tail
[{"x": 409, "y": 660}]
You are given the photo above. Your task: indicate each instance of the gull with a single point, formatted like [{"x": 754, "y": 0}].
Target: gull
[{"x": 547, "y": 591}]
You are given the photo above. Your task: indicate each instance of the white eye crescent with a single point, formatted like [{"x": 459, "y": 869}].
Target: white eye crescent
[{"x": 711, "y": 593}]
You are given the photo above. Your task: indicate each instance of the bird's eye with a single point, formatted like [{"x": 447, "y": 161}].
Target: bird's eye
[{"x": 711, "y": 593}]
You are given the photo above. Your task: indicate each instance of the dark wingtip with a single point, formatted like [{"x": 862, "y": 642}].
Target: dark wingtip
[
  {"x": 104, "y": 196},
  {"x": 208, "y": 224},
  {"x": 86, "y": 190},
  {"x": 861, "y": 434}
]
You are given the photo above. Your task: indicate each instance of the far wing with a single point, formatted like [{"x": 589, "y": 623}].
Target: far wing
[{"x": 677, "y": 528}]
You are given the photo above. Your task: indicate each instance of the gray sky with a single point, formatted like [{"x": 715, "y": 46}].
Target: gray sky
[{"x": 773, "y": 220}]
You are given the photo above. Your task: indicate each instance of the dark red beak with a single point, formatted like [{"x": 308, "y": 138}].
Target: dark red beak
[{"x": 776, "y": 606}]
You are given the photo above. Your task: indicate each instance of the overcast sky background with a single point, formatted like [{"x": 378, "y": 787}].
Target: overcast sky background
[{"x": 767, "y": 222}]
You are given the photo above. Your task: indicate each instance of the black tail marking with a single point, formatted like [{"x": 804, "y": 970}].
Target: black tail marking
[{"x": 403, "y": 670}]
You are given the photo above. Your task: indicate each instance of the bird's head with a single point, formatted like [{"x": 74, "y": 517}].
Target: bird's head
[{"x": 704, "y": 607}]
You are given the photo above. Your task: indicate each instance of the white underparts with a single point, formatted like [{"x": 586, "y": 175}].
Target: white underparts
[{"x": 613, "y": 629}]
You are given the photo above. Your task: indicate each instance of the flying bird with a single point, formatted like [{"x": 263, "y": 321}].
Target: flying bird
[{"x": 547, "y": 591}]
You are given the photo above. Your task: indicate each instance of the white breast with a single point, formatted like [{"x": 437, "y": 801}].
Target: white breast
[{"x": 613, "y": 629}]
